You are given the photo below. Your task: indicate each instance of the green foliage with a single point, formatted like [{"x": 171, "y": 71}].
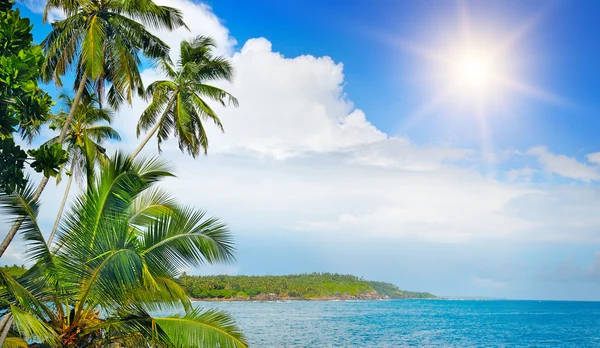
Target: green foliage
[
  {"x": 48, "y": 159},
  {"x": 24, "y": 106},
  {"x": 15, "y": 32},
  {"x": 112, "y": 268},
  {"x": 12, "y": 160},
  {"x": 23, "y": 103},
  {"x": 14, "y": 270},
  {"x": 314, "y": 285},
  {"x": 89, "y": 129},
  {"x": 393, "y": 291}
]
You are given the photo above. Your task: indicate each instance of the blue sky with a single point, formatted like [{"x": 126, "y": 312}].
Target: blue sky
[{"x": 333, "y": 161}]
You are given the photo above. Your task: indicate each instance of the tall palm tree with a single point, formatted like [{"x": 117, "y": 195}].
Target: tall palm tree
[
  {"x": 178, "y": 103},
  {"x": 101, "y": 42},
  {"x": 120, "y": 247},
  {"x": 89, "y": 129}
]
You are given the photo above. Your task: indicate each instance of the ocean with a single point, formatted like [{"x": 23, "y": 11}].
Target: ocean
[{"x": 416, "y": 323}]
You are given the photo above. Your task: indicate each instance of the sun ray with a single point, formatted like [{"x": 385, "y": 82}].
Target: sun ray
[
  {"x": 422, "y": 51},
  {"x": 533, "y": 91},
  {"x": 523, "y": 29},
  {"x": 465, "y": 20},
  {"x": 427, "y": 108}
]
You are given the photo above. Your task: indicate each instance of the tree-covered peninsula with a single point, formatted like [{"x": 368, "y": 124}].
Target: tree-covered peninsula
[{"x": 314, "y": 286}]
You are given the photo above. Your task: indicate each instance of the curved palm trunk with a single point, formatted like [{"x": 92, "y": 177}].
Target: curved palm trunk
[
  {"x": 64, "y": 201},
  {"x": 38, "y": 192},
  {"x": 15, "y": 227},
  {"x": 154, "y": 129},
  {"x": 5, "y": 326},
  {"x": 146, "y": 139}
]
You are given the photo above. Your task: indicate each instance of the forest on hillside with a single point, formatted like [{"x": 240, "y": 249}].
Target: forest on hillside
[{"x": 295, "y": 286}]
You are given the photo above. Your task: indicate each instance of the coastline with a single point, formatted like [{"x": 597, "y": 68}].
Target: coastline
[{"x": 275, "y": 298}]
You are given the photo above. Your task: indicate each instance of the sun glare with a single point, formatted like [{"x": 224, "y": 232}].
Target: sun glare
[{"x": 473, "y": 71}]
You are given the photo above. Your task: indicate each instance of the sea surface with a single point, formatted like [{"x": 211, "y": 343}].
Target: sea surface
[{"x": 416, "y": 323}]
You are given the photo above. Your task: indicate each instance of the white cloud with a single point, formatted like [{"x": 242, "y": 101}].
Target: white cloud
[
  {"x": 201, "y": 21},
  {"x": 37, "y": 6},
  {"x": 290, "y": 106},
  {"x": 523, "y": 174},
  {"x": 564, "y": 166},
  {"x": 594, "y": 157}
]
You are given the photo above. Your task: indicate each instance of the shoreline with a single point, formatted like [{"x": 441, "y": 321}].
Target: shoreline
[{"x": 295, "y": 299}]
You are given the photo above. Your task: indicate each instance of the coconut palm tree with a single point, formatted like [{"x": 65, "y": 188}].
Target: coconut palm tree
[
  {"x": 178, "y": 103},
  {"x": 101, "y": 42},
  {"x": 89, "y": 129},
  {"x": 120, "y": 248}
]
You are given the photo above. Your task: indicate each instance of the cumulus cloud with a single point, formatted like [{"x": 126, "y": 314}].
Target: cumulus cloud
[{"x": 290, "y": 106}]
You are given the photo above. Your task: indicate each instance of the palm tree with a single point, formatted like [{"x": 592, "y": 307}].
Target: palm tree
[
  {"x": 89, "y": 129},
  {"x": 177, "y": 103},
  {"x": 101, "y": 41},
  {"x": 120, "y": 248}
]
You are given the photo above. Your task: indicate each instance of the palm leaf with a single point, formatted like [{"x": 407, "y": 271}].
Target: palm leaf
[
  {"x": 15, "y": 342},
  {"x": 185, "y": 238},
  {"x": 21, "y": 205},
  {"x": 150, "y": 204},
  {"x": 197, "y": 328},
  {"x": 32, "y": 328}
]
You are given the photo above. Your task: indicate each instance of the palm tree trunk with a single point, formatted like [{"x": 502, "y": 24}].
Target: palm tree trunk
[
  {"x": 15, "y": 227},
  {"x": 147, "y": 139},
  {"x": 64, "y": 201},
  {"x": 5, "y": 325},
  {"x": 38, "y": 192},
  {"x": 154, "y": 129}
]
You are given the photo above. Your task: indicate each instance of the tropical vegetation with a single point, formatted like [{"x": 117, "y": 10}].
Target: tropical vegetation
[
  {"x": 89, "y": 129},
  {"x": 121, "y": 246},
  {"x": 295, "y": 286},
  {"x": 123, "y": 241},
  {"x": 24, "y": 106},
  {"x": 14, "y": 270},
  {"x": 178, "y": 103},
  {"x": 100, "y": 42}
]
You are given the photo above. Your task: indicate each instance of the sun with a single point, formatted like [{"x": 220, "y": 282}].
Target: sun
[{"x": 473, "y": 70}]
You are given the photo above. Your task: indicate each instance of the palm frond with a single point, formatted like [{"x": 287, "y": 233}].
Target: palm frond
[
  {"x": 20, "y": 205},
  {"x": 184, "y": 238},
  {"x": 32, "y": 328},
  {"x": 27, "y": 298},
  {"x": 197, "y": 328},
  {"x": 103, "y": 133},
  {"x": 15, "y": 342},
  {"x": 151, "y": 203}
]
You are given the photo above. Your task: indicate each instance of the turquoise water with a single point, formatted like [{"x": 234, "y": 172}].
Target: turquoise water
[{"x": 417, "y": 323}]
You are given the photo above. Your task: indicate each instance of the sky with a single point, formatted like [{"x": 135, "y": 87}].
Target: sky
[{"x": 447, "y": 147}]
